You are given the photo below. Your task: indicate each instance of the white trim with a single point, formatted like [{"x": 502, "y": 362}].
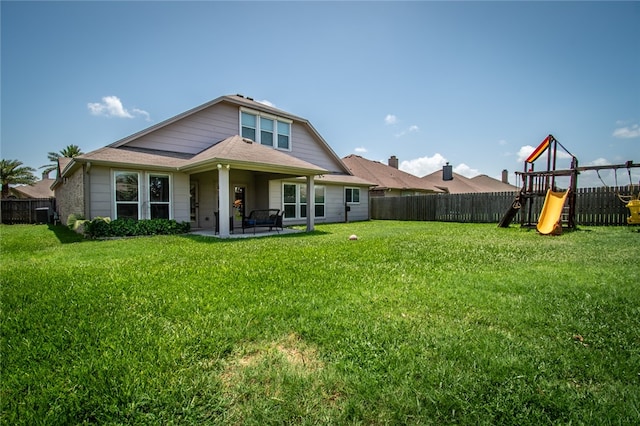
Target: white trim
[
  {"x": 352, "y": 188},
  {"x": 298, "y": 203},
  {"x": 265, "y": 114},
  {"x": 258, "y": 130}
]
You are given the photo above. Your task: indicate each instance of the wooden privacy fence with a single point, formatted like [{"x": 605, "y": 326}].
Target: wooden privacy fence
[
  {"x": 27, "y": 210},
  {"x": 594, "y": 206}
]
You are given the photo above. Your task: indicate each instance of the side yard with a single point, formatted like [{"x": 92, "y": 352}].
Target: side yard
[{"x": 413, "y": 323}]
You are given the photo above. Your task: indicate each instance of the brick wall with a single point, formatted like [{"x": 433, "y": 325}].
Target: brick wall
[{"x": 70, "y": 196}]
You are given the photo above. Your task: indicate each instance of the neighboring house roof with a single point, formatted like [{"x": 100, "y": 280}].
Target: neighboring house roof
[
  {"x": 40, "y": 189},
  {"x": 463, "y": 185},
  {"x": 384, "y": 176},
  {"x": 493, "y": 185},
  {"x": 389, "y": 177}
]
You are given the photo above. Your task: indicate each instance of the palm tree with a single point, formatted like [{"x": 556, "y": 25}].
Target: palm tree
[
  {"x": 13, "y": 172},
  {"x": 70, "y": 151}
]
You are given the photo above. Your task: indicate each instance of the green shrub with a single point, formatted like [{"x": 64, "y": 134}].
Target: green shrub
[
  {"x": 103, "y": 227},
  {"x": 75, "y": 220}
]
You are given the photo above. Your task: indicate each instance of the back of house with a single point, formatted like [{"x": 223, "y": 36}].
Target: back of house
[{"x": 222, "y": 159}]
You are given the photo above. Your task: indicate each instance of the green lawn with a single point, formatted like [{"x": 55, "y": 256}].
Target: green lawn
[{"x": 413, "y": 323}]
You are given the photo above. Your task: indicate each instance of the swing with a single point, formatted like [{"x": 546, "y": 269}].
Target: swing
[
  {"x": 624, "y": 198},
  {"x": 632, "y": 202}
]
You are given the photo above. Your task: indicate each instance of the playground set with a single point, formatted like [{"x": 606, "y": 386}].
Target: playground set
[{"x": 559, "y": 208}]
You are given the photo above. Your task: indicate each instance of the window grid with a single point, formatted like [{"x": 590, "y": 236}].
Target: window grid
[
  {"x": 266, "y": 130},
  {"x": 295, "y": 200}
]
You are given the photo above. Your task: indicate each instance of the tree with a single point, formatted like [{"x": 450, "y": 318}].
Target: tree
[
  {"x": 70, "y": 151},
  {"x": 13, "y": 172}
]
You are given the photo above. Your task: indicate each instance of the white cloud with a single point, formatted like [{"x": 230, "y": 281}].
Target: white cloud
[
  {"x": 466, "y": 171},
  {"x": 627, "y": 132},
  {"x": 424, "y": 165},
  {"x": 267, "y": 103},
  {"x": 360, "y": 149},
  {"x": 111, "y": 106},
  {"x": 524, "y": 153},
  {"x": 502, "y": 142},
  {"x": 411, "y": 129},
  {"x": 143, "y": 113},
  {"x": 526, "y": 150},
  {"x": 390, "y": 119},
  {"x": 599, "y": 162}
]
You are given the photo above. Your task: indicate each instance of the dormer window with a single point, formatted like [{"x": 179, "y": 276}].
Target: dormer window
[{"x": 266, "y": 129}]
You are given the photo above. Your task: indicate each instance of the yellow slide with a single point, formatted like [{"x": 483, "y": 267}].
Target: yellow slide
[{"x": 549, "y": 221}]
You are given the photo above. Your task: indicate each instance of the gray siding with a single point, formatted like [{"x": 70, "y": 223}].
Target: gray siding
[
  {"x": 334, "y": 207},
  {"x": 101, "y": 189},
  {"x": 100, "y": 203},
  {"x": 181, "y": 197},
  {"x": 208, "y": 198},
  {"x": 334, "y": 203},
  {"x": 306, "y": 147},
  {"x": 199, "y": 131},
  {"x": 194, "y": 133}
]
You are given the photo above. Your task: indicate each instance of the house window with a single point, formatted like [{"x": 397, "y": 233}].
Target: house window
[
  {"x": 290, "y": 200},
  {"x": 127, "y": 190},
  {"x": 249, "y": 126},
  {"x": 266, "y": 132},
  {"x": 319, "y": 199},
  {"x": 352, "y": 195},
  {"x": 266, "y": 129},
  {"x": 284, "y": 129},
  {"x": 295, "y": 200},
  {"x": 159, "y": 197}
]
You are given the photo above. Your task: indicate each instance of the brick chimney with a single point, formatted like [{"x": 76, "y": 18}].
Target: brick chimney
[
  {"x": 447, "y": 172},
  {"x": 393, "y": 161},
  {"x": 505, "y": 176}
]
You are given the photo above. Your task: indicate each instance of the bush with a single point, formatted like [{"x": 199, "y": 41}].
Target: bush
[
  {"x": 75, "y": 220},
  {"x": 102, "y": 228}
]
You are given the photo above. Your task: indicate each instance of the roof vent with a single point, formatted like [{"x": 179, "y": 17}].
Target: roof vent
[
  {"x": 249, "y": 98},
  {"x": 247, "y": 140}
]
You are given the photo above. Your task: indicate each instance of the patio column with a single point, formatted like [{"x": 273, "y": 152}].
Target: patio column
[
  {"x": 224, "y": 201},
  {"x": 311, "y": 203}
]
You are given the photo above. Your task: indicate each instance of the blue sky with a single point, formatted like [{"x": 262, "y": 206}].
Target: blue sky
[{"x": 477, "y": 84}]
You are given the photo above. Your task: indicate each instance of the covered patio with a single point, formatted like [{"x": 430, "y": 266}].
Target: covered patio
[{"x": 240, "y": 154}]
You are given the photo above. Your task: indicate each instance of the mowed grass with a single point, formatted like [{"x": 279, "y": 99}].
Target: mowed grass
[{"x": 413, "y": 323}]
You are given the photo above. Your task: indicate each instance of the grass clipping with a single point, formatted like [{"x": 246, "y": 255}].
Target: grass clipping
[{"x": 282, "y": 375}]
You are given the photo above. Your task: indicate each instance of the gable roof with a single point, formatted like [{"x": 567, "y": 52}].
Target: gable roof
[
  {"x": 386, "y": 177},
  {"x": 240, "y": 101}
]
